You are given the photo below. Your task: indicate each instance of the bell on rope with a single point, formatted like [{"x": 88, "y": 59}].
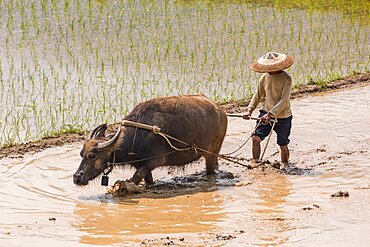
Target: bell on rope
[{"x": 104, "y": 180}]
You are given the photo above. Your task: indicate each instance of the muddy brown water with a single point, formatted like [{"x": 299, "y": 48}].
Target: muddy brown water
[{"x": 330, "y": 146}]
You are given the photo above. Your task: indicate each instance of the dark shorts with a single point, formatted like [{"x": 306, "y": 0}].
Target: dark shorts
[{"x": 282, "y": 129}]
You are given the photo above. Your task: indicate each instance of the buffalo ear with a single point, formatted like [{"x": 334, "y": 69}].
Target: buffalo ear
[{"x": 98, "y": 132}]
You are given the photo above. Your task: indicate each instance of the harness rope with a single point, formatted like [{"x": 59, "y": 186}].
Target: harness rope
[
  {"x": 268, "y": 139},
  {"x": 273, "y": 121},
  {"x": 241, "y": 146},
  {"x": 156, "y": 130}
]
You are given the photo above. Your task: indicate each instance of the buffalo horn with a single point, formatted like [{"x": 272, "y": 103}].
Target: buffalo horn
[
  {"x": 97, "y": 132},
  {"x": 111, "y": 141}
]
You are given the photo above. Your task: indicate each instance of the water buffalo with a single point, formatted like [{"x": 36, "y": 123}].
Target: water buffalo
[{"x": 191, "y": 118}]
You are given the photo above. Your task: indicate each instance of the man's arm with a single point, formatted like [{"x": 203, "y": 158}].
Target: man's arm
[{"x": 256, "y": 99}]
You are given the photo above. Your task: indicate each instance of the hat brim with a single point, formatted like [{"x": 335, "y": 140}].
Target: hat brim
[{"x": 264, "y": 68}]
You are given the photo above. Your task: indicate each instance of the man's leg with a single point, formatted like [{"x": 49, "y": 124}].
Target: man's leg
[
  {"x": 256, "y": 147},
  {"x": 284, "y": 153},
  {"x": 258, "y": 136},
  {"x": 282, "y": 130}
]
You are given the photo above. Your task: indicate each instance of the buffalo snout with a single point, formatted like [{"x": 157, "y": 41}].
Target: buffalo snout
[{"x": 79, "y": 179}]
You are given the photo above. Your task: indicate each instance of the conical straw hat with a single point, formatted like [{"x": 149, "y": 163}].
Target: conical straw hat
[{"x": 272, "y": 62}]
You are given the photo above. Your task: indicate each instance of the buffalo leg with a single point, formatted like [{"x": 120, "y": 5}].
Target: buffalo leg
[
  {"x": 211, "y": 164},
  {"x": 144, "y": 171},
  {"x": 212, "y": 159},
  {"x": 139, "y": 175},
  {"x": 148, "y": 178}
]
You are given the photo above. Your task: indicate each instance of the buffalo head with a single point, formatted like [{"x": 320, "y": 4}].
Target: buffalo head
[{"x": 96, "y": 152}]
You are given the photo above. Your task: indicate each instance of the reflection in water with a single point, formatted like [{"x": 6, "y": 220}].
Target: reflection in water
[
  {"x": 273, "y": 190},
  {"x": 111, "y": 223}
]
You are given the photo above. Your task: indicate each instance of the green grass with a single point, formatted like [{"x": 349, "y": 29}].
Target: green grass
[{"x": 68, "y": 65}]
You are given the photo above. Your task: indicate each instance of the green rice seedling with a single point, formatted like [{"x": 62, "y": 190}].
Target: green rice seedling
[{"x": 108, "y": 56}]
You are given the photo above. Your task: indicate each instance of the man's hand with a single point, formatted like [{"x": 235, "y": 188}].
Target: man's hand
[
  {"x": 247, "y": 115},
  {"x": 265, "y": 118}
]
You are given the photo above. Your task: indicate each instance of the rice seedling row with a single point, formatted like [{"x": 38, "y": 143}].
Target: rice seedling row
[{"x": 69, "y": 65}]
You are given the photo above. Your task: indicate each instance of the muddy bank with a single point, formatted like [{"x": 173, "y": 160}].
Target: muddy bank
[
  {"x": 231, "y": 107},
  {"x": 18, "y": 150}
]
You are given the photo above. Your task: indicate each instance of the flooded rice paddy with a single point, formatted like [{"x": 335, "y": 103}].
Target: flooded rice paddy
[
  {"x": 40, "y": 205},
  {"x": 106, "y": 56}
]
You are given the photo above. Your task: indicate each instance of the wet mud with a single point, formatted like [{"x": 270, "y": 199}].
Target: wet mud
[
  {"x": 268, "y": 205},
  {"x": 179, "y": 185}
]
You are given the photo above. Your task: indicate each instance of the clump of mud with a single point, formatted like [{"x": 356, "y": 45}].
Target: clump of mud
[
  {"x": 124, "y": 188},
  {"x": 225, "y": 237},
  {"x": 213, "y": 239},
  {"x": 340, "y": 194},
  {"x": 311, "y": 208},
  {"x": 297, "y": 171},
  {"x": 284, "y": 168}
]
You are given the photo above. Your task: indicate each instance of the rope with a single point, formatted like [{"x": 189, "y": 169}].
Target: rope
[
  {"x": 194, "y": 147},
  {"x": 139, "y": 160},
  {"x": 258, "y": 124},
  {"x": 165, "y": 136},
  {"x": 268, "y": 140},
  {"x": 156, "y": 130}
]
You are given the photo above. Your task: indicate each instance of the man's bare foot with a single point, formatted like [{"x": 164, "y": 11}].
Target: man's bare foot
[{"x": 255, "y": 161}]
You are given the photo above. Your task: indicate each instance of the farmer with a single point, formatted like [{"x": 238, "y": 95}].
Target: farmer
[{"x": 273, "y": 92}]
